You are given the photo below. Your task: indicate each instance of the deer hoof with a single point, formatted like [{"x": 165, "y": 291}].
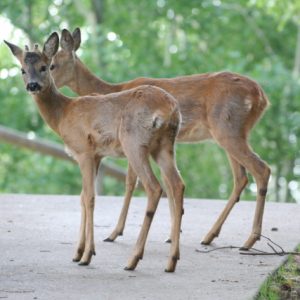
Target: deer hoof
[{"x": 109, "y": 240}]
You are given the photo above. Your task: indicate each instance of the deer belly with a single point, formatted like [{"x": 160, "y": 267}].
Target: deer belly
[
  {"x": 109, "y": 147},
  {"x": 193, "y": 134},
  {"x": 111, "y": 151}
]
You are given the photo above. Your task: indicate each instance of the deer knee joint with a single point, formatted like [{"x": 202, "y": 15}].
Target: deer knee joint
[
  {"x": 150, "y": 214},
  {"x": 263, "y": 192},
  {"x": 91, "y": 202}
]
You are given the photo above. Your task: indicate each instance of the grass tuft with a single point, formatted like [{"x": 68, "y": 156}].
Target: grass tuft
[{"x": 284, "y": 283}]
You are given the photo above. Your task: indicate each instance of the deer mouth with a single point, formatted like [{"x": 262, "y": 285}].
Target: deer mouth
[
  {"x": 33, "y": 88},
  {"x": 34, "y": 92}
]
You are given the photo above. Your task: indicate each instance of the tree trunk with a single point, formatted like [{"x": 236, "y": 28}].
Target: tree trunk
[
  {"x": 98, "y": 10},
  {"x": 296, "y": 70},
  {"x": 276, "y": 185},
  {"x": 94, "y": 17}
]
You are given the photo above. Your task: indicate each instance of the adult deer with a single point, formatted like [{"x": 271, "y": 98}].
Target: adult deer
[
  {"x": 221, "y": 106},
  {"x": 135, "y": 123}
]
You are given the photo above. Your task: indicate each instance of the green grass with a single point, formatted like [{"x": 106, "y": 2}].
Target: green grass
[{"x": 284, "y": 283}]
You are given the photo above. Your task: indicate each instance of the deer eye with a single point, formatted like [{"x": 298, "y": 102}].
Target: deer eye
[
  {"x": 43, "y": 69},
  {"x": 52, "y": 67},
  {"x": 23, "y": 71}
]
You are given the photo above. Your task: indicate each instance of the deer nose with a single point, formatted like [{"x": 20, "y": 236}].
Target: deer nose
[{"x": 33, "y": 86}]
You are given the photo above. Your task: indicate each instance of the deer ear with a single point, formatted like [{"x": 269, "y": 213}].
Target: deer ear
[
  {"x": 77, "y": 38},
  {"x": 67, "y": 42},
  {"x": 16, "y": 51},
  {"x": 51, "y": 46}
]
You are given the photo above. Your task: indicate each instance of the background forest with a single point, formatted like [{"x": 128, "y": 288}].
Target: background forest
[{"x": 161, "y": 38}]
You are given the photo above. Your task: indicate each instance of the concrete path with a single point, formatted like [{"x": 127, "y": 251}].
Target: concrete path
[{"x": 38, "y": 235}]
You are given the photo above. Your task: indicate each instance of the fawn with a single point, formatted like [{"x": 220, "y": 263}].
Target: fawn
[{"x": 136, "y": 124}]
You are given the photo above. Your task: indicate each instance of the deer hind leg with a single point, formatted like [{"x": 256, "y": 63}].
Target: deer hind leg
[
  {"x": 171, "y": 206},
  {"x": 88, "y": 172},
  {"x": 261, "y": 172},
  {"x": 240, "y": 181},
  {"x": 131, "y": 179},
  {"x": 139, "y": 160},
  {"x": 240, "y": 150},
  {"x": 174, "y": 182}
]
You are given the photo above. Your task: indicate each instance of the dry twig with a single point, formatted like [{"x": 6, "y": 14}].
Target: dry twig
[{"x": 254, "y": 251}]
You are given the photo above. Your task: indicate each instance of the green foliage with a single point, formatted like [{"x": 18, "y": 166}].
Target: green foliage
[{"x": 163, "y": 38}]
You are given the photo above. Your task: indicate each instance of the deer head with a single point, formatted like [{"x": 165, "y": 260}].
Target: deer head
[
  {"x": 63, "y": 64},
  {"x": 35, "y": 64}
]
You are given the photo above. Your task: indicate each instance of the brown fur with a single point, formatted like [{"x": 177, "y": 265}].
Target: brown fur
[{"x": 119, "y": 124}]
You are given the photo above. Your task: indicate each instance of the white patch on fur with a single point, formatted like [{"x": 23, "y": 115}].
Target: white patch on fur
[
  {"x": 157, "y": 121},
  {"x": 248, "y": 104},
  {"x": 69, "y": 152}
]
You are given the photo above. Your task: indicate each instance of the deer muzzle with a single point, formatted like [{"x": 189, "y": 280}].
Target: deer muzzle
[{"x": 33, "y": 87}]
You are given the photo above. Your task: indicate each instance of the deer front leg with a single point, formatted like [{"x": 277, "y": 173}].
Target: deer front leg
[
  {"x": 88, "y": 171},
  {"x": 131, "y": 179},
  {"x": 81, "y": 242},
  {"x": 89, "y": 249}
]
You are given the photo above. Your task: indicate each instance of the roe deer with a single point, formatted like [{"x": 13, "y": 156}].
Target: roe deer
[
  {"x": 220, "y": 106},
  {"x": 136, "y": 123}
]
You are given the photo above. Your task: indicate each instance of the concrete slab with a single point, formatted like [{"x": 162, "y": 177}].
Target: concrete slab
[{"x": 38, "y": 235}]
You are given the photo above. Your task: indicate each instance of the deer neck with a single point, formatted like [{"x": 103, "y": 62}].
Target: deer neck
[
  {"x": 86, "y": 83},
  {"x": 51, "y": 105}
]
